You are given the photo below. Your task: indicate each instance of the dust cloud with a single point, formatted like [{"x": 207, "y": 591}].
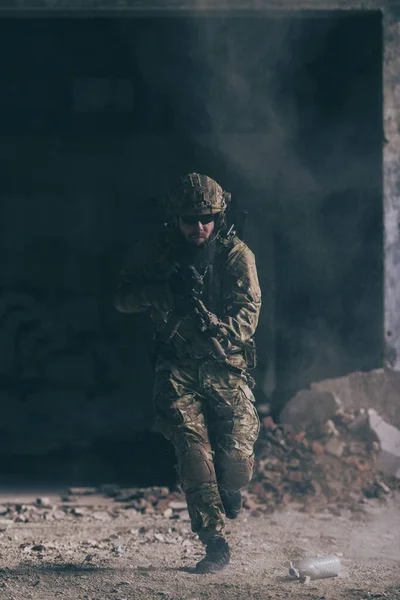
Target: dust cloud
[
  {"x": 300, "y": 126},
  {"x": 286, "y": 114}
]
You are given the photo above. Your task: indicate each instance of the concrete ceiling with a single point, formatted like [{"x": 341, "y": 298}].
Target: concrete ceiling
[{"x": 169, "y": 7}]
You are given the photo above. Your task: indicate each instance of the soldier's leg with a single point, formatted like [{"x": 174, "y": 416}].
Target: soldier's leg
[
  {"x": 180, "y": 418},
  {"x": 233, "y": 425}
]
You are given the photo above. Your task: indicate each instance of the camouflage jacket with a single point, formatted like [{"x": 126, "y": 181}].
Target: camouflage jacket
[{"x": 232, "y": 293}]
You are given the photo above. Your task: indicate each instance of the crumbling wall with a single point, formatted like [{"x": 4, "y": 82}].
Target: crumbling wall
[{"x": 378, "y": 389}]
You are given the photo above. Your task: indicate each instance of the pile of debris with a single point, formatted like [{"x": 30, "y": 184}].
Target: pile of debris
[
  {"x": 86, "y": 504},
  {"x": 323, "y": 456},
  {"x": 161, "y": 500}
]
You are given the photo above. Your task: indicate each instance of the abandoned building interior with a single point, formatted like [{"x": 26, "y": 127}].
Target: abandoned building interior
[{"x": 292, "y": 106}]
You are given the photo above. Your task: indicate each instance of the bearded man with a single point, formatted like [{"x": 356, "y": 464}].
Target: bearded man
[{"x": 199, "y": 283}]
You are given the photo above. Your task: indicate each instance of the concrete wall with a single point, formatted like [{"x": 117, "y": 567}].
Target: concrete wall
[{"x": 392, "y": 188}]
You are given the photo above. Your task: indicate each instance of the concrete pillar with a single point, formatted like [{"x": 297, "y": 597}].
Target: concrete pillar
[{"x": 391, "y": 186}]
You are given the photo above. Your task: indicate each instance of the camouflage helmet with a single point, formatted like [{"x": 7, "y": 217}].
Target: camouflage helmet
[{"x": 197, "y": 195}]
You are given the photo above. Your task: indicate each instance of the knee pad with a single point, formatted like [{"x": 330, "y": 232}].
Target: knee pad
[
  {"x": 196, "y": 467},
  {"x": 234, "y": 472}
]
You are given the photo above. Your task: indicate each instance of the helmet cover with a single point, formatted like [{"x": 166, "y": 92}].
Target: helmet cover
[{"x": 197, "y": 195}]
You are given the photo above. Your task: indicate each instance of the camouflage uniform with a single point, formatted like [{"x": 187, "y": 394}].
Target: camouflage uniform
[{"x": 205, "y": 407}]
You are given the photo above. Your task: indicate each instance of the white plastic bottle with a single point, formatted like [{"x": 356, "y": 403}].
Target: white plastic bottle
[{"x": 318, "y": 567}]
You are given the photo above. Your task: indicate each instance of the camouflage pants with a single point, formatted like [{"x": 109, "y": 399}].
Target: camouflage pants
[{"x": 207, "y": 411}]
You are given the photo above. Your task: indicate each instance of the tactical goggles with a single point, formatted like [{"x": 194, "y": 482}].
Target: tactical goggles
[{"x": 194, "y": 219}]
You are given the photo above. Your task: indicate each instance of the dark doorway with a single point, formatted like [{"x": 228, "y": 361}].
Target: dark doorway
[{"x": 98, "y": 118}]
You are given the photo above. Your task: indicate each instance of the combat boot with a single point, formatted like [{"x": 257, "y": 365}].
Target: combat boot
[
  {"x": 232, "y": 502},
  {"x": 217, "y": 557}
]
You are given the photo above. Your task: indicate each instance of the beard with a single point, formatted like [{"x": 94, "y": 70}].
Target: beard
[{"x": 196, "y": 239}]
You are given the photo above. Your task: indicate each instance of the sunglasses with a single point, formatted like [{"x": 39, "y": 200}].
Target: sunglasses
[{"x": 193, "y": 220}]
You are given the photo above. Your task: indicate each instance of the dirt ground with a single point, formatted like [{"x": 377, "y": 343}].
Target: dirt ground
[{"x": 109, "y": 552}]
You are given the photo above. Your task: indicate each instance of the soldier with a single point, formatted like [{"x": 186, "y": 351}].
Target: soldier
[{"x": 199, "y": 282}]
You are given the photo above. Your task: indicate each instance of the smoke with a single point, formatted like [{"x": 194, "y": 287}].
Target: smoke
[
  {"x": 300, "y": 123},
  {"x": 243, "y": 59},
  {"x": 286, "y": 114}
]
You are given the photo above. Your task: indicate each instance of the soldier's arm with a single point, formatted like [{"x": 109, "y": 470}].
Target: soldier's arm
[
  {"x": 240, "y": 317},
  {"x": 138, "y": 290}
]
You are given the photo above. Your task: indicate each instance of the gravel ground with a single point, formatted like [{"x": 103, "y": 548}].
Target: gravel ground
[{"x": 114, "y": 553}]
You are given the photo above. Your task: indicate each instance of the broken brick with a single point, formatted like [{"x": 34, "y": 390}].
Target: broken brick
[
  {"x": 317, "y": 448},
  {"x": 268, "y": 423},
  {"x": 295, "y": 476}
]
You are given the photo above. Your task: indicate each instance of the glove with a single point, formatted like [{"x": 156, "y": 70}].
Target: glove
[{"x": 186, "y": 285}]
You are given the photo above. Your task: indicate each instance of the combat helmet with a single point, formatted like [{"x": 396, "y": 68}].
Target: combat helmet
[{"x": 197, "y": 195}]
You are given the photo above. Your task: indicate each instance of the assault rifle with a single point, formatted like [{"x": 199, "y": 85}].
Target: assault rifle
[{"x": 197, "y": 310}]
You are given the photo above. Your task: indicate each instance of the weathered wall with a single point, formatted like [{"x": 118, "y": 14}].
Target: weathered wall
[{"x": 392, "y": 187}]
